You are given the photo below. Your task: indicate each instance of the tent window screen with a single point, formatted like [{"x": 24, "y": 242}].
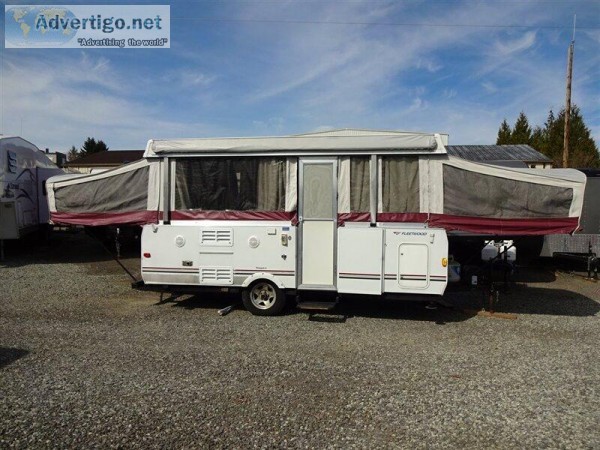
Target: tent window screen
[
  {"x": 240, "y": 184},
  {"x": 127, "y": 191},
  {"x": 400, "y": 184},
  {"x": 360, "y": 184},
  {"x": 468, "y": 193}
]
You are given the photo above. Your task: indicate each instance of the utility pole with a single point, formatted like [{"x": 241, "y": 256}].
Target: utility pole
[{"x": 568, "y": 98}]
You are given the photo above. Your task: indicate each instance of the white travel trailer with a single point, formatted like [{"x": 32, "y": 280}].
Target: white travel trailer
[
  {"x": 23, "y": 171},
  {"x": 351, "y": 211}
]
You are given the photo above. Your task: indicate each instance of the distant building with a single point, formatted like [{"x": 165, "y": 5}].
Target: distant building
[
  {"x": 502, "y": 155},
  {"x": 101, "y": 161},
  {"x": 58, "y": 158}
]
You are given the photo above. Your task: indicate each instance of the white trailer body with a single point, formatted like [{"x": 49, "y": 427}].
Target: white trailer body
[
  {"x": 402, "y": 259},
  {"x": 23, "y": 171},
  {"x": 223, "y": 253}
]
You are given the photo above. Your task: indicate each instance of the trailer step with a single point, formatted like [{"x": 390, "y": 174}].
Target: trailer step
[{"x": 317, "y": 306}]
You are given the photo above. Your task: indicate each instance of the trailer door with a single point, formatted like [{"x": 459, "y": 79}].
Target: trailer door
[{"x": 317, "y": 223}]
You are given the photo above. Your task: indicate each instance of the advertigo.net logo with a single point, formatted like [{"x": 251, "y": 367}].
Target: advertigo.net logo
[{"x": 74, "y": 26}]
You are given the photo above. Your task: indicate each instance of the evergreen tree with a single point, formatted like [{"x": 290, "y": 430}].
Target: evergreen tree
[
  {"x": 538, "y": 139},
  {"x": 553, "y": 139},
  {"x": 504, "y": 133},
  {"x": 549, "y": 140},
  {"x": 521, "y": 132},
  {"x": 92, "y": 146},
  {"x": 73, "y": 154},
  {"x": 583, "y": 151}
]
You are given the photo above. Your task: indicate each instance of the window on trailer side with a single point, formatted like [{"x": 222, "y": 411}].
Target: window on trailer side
[
  {"x": 238, "y": 184},
  {"x": 400, "y": 184},
  {"x": 476, "y": 194},
  {"x": 360, "y": 183}
]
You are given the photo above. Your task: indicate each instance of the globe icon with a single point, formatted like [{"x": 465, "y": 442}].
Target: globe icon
[{"x": 38, "y": 26}]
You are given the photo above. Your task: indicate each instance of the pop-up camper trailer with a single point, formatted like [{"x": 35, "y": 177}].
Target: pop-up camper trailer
[
  {"x": 23, "y": 171},
  {"x": 351, "y": 211}
]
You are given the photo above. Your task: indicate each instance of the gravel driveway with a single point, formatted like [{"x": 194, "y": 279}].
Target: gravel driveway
[{"x": 87, "y": 362}]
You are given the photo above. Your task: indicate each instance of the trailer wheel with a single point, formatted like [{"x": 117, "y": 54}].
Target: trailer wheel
[{"x": 263, "y": 298}]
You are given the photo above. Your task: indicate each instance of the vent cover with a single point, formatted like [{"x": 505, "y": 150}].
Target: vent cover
[
  {"x": 216, "y": 275},
  {"x": 222, "y": 237}
]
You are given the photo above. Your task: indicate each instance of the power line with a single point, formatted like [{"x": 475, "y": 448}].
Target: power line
[{"x": 391, "y": 24}]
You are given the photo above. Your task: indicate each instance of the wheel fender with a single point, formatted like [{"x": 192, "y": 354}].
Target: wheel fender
[{"x": 263, "y": 276}]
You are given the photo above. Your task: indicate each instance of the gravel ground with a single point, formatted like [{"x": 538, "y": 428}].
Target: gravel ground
[{"x": 85, "y": 361}]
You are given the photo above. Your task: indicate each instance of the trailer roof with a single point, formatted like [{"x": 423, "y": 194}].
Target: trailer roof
[
  {"x": 489, "y": 153},
  {"x": 417, "y": 143}
]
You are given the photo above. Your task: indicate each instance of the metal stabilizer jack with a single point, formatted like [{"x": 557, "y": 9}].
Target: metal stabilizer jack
[
  {"x": 493, "y": 298},
  {"x": 227, "y": 309},
  {"x": 493, "y": 292}
]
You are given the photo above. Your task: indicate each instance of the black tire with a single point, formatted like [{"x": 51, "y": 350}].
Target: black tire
[{"x": 263, "y": 298}]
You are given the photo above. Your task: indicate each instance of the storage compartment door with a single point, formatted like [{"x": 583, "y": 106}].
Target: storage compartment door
[
  {"x": 360, "y": 260},
  {"x": 413, "y": 266},
  {"x": 8, "y": 220}
]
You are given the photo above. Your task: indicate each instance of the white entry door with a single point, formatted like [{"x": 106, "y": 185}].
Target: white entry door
[{"x": 318, "y": 223}]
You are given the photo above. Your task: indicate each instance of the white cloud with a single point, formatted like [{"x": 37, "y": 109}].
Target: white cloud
[
  {"x": 277, "y": 78},
  {"x": 429, "y": 65},
  {"x": 508, "y": 47},
  {"x": 449, "y": 93},
  {"x": 272, "y": 126},
  {"x": 58, "y": 105},
  {"x": 417, "y": 104},
  {"x": 342, "y": 74},
  {"x": 185, "y": 78},
  {"x": 490, "y": 87}
]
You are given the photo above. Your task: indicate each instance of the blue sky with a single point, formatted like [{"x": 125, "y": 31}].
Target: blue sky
[{"x": 241, "y": 68}]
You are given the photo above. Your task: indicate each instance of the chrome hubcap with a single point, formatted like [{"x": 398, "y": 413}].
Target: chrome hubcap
[{"x": 262, "y": 295}]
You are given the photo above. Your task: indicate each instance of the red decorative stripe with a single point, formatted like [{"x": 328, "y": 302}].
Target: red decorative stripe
[
  {"x": 252, "y": 271},
  {"x": 477, "y": 225},
  {"x": 353, "y": 217},
  {"x": 402, "y": 217},
  {"x": 234, "y": 215},
  {"x": 506, "y": 227},
  {"x": 360, "y": 273},
  {"x": 106, "y": 218},
  {"x": 361, "y": 277}
]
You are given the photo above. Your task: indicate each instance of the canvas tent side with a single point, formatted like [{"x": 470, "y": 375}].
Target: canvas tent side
[
  {"x": 127, "y": 195},
  {"x": 382, "y": 177},
  {"x": 461, "y": 195}
]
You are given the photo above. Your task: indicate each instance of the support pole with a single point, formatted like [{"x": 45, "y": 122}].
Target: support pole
[{"x": 567, "y": 133}]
